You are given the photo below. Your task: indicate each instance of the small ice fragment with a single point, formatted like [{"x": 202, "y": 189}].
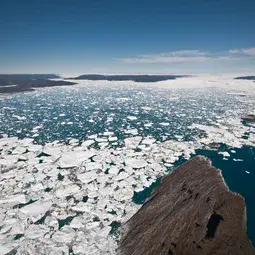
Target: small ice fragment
[
  {"x": 148, "y": 124},
  {"x": 113, "y": 170},
  {"x": 136, "y": 163},
  {"x": 101, "y": 140},
  {"x": 122, "y": 99},
  {"x": 6, "y": 249},
  {"x": 87, "y": 177},
  {"x": 148, "y": 141},
  {"x": 76, "y": 223},
  {"x": 74, "y": 158},
  {"x": 132, "y": 142},
  {"x": 108, "y": 133},
  {"x": 15, "y": 199},
  {"x": 19, "y": 117},
  {"x": 36, "y": 210},
  {"x": 87, "y": 143},
  {"x": 224, "y": 153},
  {"x": 146, "y": 108},
  {"x": 132, "y": 118},
  {"x": 237, "y": 159},
  {"x": 68, "y": 190},
  {"x": 36, "y": 231},
  {"x": 164, "y": 124},
  {"x": 92, "y": 136},
  {"x": 98, "y": 158},
  {"x": 65, "y": 235},
  {"x": 112, "y": 139}
]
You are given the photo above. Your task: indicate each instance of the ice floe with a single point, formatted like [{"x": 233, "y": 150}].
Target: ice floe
[
  {"x": 136, "y": 163},
  {"x": 230, "y": 132},
  {"x": 72, "y": 195}
]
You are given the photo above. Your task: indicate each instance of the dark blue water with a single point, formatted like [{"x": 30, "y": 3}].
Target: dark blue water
[{"x": 237, "y": 179}]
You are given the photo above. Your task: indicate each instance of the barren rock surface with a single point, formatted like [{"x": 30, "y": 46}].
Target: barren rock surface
[{"x": 191, "y": 212}]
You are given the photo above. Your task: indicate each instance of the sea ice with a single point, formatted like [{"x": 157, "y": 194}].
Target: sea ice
[
  {"x": 68, "y": 190},
  {"x": 132, "y": 142},
  {"x": 36, "y": 210},
  {"x": 13, "y": 200},
  {"x": 224, "y": 153},
  {"x": 132, "y": 118},
  {"x": 136, "y": 163},
  {"x": 65, "y": 235}
]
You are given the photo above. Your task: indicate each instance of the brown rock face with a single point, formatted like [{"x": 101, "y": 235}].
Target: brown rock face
[{"x": 191, "y": 212}]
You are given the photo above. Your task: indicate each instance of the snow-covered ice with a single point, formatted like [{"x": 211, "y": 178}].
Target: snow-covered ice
[{"x": 73, "y": 198}]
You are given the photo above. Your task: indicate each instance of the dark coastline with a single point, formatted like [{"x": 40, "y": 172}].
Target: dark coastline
[
  {"x": 135, "y": 78},
  {"x": 251, "y": 78},
  {"x": 13, "y": 83}
]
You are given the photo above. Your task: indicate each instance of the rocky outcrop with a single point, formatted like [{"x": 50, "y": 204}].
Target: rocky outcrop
[
  {"x": 246, "y": 78},
  {"x": 249, "y": 118},
  {"x": 191, "y": 212}
]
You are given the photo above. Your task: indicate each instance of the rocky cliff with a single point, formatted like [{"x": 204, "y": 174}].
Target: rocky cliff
[{"x": 191, "y": 212}]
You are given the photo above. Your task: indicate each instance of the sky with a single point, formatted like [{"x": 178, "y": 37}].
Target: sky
[{"x": 135, "y": 36}]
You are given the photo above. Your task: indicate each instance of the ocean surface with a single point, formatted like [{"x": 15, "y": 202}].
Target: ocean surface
[
  {"x": 129, "y": 110},
  {"x": 78, "y": 112}
]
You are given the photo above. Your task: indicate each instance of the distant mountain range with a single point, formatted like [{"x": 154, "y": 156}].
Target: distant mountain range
[
  {"x": 10, "y": 83},
  {"x": 246, "y": 78},
  {"x": 136, "y": 78}
]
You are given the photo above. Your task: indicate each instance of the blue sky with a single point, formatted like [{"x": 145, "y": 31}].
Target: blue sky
[{"x": 91, "y": 36}]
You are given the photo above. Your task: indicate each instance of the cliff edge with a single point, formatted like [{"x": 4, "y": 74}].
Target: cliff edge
[{"x": 191, "y": 212}]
